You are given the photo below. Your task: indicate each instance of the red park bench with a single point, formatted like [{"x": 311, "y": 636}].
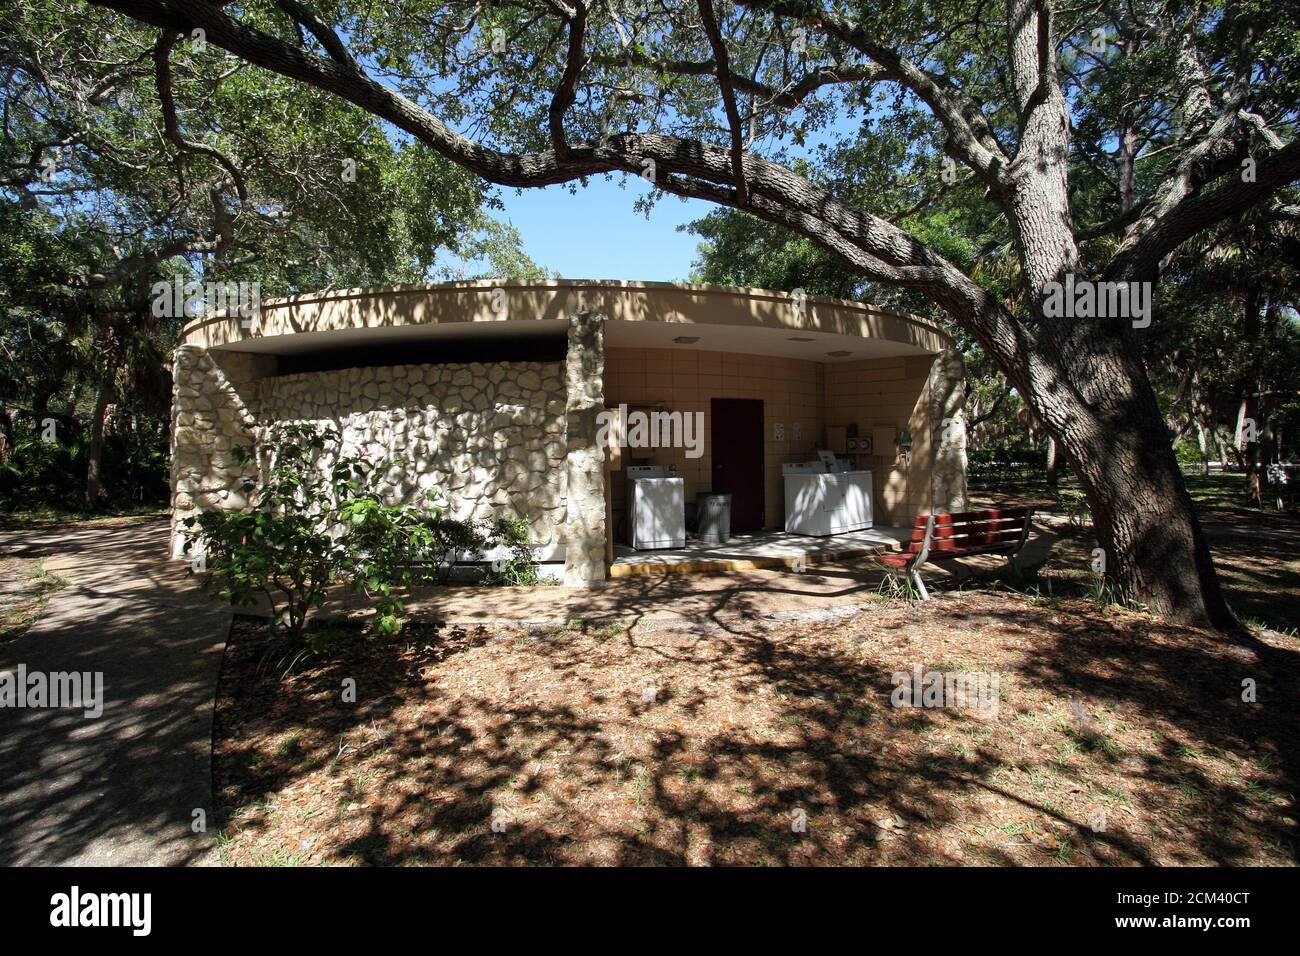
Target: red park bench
[{"x": 940, "y": 537}]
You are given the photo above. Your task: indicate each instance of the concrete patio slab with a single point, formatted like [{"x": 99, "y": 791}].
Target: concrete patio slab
[
  {"x": 689, "y": 599},
  {"x": 774, "y": 549}
]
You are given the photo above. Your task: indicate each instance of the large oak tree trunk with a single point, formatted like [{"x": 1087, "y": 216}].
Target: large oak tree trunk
[
  {"x": 1105, "y": 416},
  {"x": 1084, "y": 377}
]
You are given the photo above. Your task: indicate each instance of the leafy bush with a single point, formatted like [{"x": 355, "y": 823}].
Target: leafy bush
[
  {"x": 1005, "y": 462},
  {"x": 1075, "y": 505},
  {"x": 40, "y": 474},
  {"x": 286, "y": 548},
  {"x": 453, "y": 539},
  {"x": 1188, "y": 453},
  {"x": 317, "y": 519},
  {"x": 136, "y": 466},
  {"x": 519, "y": 569},
  {"x": 383, "y": 546},
  {"x": 52, "y": 474}
]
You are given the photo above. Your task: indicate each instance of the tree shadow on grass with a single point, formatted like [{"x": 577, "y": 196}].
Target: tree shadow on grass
[
  {"x": 1198, "y": 695},
  {"x": 670, "y": 747}
]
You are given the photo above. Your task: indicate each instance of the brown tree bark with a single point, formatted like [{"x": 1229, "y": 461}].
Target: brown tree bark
[
  {"x": 95, "y": 450},
  {"x": 1142, "y": 513}
]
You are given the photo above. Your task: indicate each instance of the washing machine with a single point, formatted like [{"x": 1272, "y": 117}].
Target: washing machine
[
  {"x": 819, "y": 502},
  {"x": 656, "y": 507}
]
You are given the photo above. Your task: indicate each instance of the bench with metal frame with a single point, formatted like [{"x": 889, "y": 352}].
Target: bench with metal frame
[{"x": 960, "y": 535}]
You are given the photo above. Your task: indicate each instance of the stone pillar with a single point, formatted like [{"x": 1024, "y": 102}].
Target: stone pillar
[
  {"x": 584, "y": 522},
  {"x": 212, "y": 412},
  {"x": 948, "y": 433}
]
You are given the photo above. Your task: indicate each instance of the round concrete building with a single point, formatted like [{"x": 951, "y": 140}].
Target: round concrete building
[{"x": 522, "y": 399}]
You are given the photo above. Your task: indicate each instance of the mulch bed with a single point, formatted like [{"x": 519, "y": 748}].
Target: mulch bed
[{"x": 1117, "y": 741}]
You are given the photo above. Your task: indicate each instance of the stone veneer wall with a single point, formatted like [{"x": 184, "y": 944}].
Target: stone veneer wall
[
  {"x": 214, "y": 408},
  {"x": 489, "y": 437}
]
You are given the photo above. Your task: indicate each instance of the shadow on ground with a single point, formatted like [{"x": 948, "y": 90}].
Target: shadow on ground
[
  {"x": 1118, "y": 741},
  {"x": 121, "y": 788}
]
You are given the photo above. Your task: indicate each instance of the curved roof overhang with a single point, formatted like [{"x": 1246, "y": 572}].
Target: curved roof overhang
[{"x": 641, "y": 314}]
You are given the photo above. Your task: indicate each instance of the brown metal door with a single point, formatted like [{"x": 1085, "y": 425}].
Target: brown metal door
[{"x": 737, "y": 451}]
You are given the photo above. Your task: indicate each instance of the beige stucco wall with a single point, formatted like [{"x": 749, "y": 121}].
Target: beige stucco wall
[
  {"x": 686, "y": 380},
  {"x": 896, "y": 393},
  {"x": 454, "y": 303},
  {"x": 893, "y": 392}
]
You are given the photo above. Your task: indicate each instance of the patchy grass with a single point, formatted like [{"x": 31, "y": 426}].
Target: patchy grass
[
  {"x": 1118, "y": 741},
  {"x": 25, "y": 589},
  {"x": 1225, "y": 492},
  {"x": 1255, "y": 549},
  {"x": 42, "y": 517}
]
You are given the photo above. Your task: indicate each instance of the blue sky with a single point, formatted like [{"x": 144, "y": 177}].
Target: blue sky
[{"x": 596, "y": 234}]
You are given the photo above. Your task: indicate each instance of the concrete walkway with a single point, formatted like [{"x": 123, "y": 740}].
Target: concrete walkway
[
  {"x": 120, "y": 789},
  {"x": 766, "y": 550}
]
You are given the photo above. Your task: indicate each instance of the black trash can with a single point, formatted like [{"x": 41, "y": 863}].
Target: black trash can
[{"x": 714, "y": 513}]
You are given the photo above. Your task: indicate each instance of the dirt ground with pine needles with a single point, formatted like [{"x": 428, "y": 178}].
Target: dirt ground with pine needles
[{"x": 1117, "y": 740}]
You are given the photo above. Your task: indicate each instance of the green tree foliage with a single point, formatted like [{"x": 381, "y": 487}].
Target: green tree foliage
[{"x": 128, "y": 159}]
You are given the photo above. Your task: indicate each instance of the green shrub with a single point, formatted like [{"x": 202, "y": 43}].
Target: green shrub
[
  {"x": 452, "y": 538},
  {"x": 384, "y": 544},
  {"x": 317, "y": 519},
  {"x": 52, "y": 474},
  {"x": 287, "y": 548},
  {"x": 1075, "y": 505},
  {"x": 1188, "y": 452},
  {"x": 1004, "y": 462},
  {"x": 519, "y": 569},
  {"x": 40, "y": 474}
]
